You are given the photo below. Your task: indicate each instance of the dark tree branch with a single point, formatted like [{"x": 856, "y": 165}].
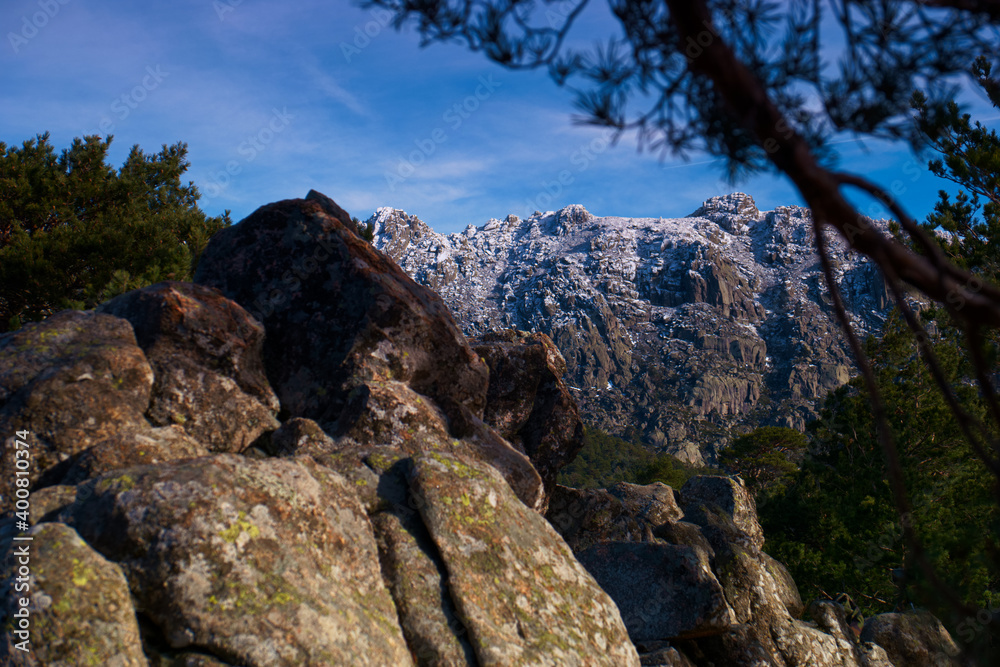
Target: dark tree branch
[
  {"x": 893, "y": 468},
  {"x": 990, "y": 8},
  {"x": 748, "y": 102}
]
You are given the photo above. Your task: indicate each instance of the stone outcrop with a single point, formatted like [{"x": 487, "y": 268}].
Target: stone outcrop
[
  {"x": 206, "y": 357},
  {"x": 912, "y": 638},
  {"x": 80, "y": 603},
  {"x": 346, "y": 480},
  {"x": 683, "y": 331},
  {"x": 528, "y": 403},
  {"x": 72, "y": 381},
  {"x": 313, "y": 484},
  {"x": 352, "y": 342},
  {"x": 687, "y": 572},
  {"x": 337, "y": 313},
  {"x": 203, "y": 543}
]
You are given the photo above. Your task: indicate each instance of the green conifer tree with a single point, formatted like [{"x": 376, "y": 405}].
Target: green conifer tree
[{"x": 74, "y": 231}]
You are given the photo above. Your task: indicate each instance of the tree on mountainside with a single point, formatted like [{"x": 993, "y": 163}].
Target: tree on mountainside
[
  {"x": 765, "y": 458},
  {"x": 366, "y": 230},
  {"x": 75, "y": 232}
]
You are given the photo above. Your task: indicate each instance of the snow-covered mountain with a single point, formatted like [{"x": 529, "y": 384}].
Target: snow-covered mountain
[{"x": 683, "y": 331}]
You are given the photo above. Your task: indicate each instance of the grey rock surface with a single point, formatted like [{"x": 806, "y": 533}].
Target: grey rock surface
[
  {"x": 681, "y": 329},
  {"x": 79, "y": 608}
]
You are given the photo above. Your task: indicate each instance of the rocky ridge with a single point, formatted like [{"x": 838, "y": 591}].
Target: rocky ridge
[
  {"x": 685, "y": 330},
  {"x": 387, "y": 497}
]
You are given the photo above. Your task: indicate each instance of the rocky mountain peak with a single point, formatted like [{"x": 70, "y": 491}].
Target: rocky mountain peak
[
  {"x": 735, "y": 212},
  {"x": 684, "y": 329}
]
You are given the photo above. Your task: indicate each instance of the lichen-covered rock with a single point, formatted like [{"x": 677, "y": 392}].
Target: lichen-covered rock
[
  {"x": 124, "y": 450},
  {"x": 787, "y": 590},
  {"x": 661, "y": 654},
  {"x": 831, "y": 618},
  {"x": 518, "y": 590},
  {"x": 183, "y": 659},
  {"x": 71, "y": 381},
  {"x": 873, "y": 655},
  {"x": 300, "y": 436},
  {"x": 686, "y": 569},
  {"x": 418, "y": 581},
  {"x": 255, "y": 562},
  {"x": 912, "y": 638},
  {"x": 654, "y": 503},
  {"x": 622, "y": 513},
  {"x": 662, "y": 590},
  {"x": 79, "y": 609},
  {"x": 50, "y": 499},
  {"x": 205, "y": 352},
  {"x": 391, "y": 413},
  {"x": 759, "y": 596},
  {"x": 528, "y": 403},
  {"x": 707, "y": 499},
  {"x": 338, "y": 313}
]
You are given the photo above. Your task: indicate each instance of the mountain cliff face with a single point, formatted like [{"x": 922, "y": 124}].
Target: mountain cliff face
[{"x": 679, "y": 329}]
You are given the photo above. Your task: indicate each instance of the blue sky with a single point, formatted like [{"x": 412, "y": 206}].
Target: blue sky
[{"x": 275, "y": 99}]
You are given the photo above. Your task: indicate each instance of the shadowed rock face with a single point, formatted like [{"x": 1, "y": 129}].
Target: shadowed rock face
[
  {"x": 206, "y": 356},
  {"x": 912, "y": 638},
  {"x": 337, "y": 313},
  {"x": 687, "y": 572},
  {"x": 528, "y": 403},
  {"x": 379, "y": 518}
]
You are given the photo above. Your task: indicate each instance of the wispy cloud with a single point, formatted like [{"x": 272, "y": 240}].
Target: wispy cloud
[
  {"x": 334, "y": 91},
  {"x": 229, "y": 68}
]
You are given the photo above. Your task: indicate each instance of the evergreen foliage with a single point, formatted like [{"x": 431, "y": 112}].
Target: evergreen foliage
[
  {"x": 606, "y": 459},
  {"x": 970, "y": 157},
  {"x": 766, "y": 459},
  {"x": 75, "y": 232},
  {"x": 365, "y": 230},
  {"x": 835, "y": 524}
]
